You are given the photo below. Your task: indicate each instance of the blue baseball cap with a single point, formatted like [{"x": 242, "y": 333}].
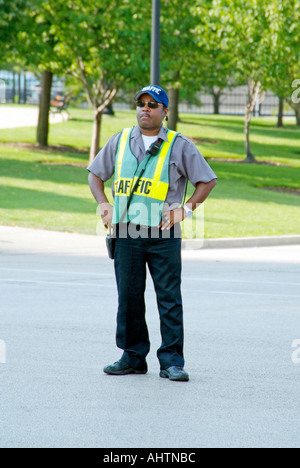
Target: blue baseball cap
[{"x": 156, "y": 92}]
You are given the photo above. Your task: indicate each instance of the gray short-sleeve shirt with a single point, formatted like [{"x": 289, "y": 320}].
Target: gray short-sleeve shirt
[{"x": 186, "y": 162}]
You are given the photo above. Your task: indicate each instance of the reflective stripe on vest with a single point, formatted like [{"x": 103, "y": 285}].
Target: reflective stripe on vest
[{"x": 152, "y": 188}]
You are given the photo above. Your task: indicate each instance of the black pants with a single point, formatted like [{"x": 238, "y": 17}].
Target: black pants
[{"x": 163, "y": 257}]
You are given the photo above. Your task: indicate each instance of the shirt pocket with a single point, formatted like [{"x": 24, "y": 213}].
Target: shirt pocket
[{"x": 174, "y": 173}]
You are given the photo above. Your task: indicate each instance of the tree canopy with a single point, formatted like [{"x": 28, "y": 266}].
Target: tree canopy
[
  {"x": 104, "y": 44},
  {"x": 205, "y": 44},
  {"x": 258, "y": 39},
  {"x": 11, "y": 12}
]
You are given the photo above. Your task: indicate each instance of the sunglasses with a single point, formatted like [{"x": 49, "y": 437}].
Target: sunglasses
[{"x": 151, "y": 104}]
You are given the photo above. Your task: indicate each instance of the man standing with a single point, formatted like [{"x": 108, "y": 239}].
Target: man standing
[{"x": 148, "y": 231}]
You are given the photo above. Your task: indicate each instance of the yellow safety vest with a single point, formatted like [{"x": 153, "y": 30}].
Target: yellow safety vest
[{"x": 148, "y": 200}]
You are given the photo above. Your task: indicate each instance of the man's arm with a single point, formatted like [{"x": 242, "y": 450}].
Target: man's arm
[
  {"x": 102, "y": 169},
  {"x": 97, "y": 189},
  {"x": 200, "y": 194}
]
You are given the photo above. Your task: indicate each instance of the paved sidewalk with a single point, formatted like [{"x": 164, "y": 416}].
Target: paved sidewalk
[
  {"x": 34, "y": 239},
  {"x": 240, "y": 242},
  {"x": 58, "y": 304},
  {"x": 14, "y": 117}
]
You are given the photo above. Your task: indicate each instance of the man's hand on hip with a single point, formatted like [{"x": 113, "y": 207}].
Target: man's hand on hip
[
  {"x": 169, "y": 218},
  {"x": 106, "y": 212}
]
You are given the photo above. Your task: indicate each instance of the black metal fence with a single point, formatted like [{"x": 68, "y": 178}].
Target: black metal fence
[
  {"x": 24, "y": 88},
  {"x": 233, "y": 101}
]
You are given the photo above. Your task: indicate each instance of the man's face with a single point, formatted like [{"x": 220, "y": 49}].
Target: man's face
[{"x": 150, "y": 119}]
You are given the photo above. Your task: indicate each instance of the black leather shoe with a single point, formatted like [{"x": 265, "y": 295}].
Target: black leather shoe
[
  {"x": 175, "y": 373},
  {"x": 120, "y": 368}
]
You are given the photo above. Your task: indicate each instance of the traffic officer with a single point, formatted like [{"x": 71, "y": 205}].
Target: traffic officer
[{"x": 148, "y": 230}]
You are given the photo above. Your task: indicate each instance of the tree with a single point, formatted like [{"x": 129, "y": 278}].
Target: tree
[
  {"x": 104, "y": 44},
  {"x": 215, "y": 57},
  {"x": 11, "y": 12},
  {"x": 243, "y": 30},
  {"x": 284, "y": 58},
  {"x": 108, "y": 45},
  {"x": 37, "y": 50},
  {"x": 179, "y": 52}
]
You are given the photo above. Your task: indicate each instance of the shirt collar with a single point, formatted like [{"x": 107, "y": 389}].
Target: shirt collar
[{"x": 136, "y": 133}]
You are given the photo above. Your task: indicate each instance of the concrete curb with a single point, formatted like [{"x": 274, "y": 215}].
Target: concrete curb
[
  {"x": 240, "y": 242},
  {"x": 17, "y": 238}
]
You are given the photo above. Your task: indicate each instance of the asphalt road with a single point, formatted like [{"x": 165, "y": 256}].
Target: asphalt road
[{"x": 58, "y": 310}]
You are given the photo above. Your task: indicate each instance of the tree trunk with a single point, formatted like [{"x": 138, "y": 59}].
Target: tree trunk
[
  {"x": 296, "y": 107},
  {"x": 254, "y": 89},
  {"x": 216, "y": 98},
  {"x": 280, "y": 112},
  {"x": 250, "y": 158},
  {"x": 173, "y": 108},
  {"x": 95, "y": 145},
  {"x": 109, "y": 110},
  {"x": 297, "y": 113},
  {"x": 43, "y": 122}
]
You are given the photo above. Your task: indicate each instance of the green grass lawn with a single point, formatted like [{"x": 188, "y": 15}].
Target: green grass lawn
[{"x": 48, "y": 189}]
